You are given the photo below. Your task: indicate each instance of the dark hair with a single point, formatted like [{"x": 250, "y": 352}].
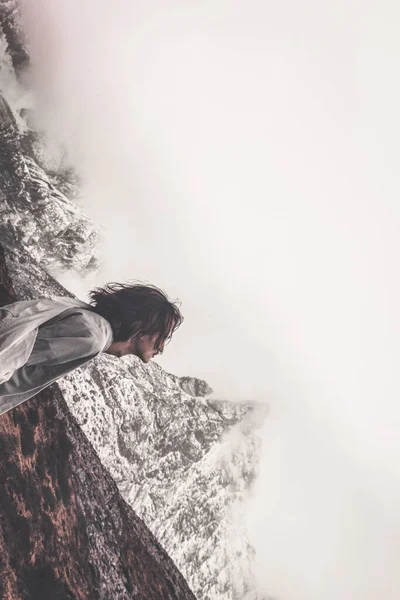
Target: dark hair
[{"x": 137, "y": 309}]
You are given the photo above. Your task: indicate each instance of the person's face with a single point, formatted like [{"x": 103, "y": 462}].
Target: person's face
[{"x": 145, "y": 347}]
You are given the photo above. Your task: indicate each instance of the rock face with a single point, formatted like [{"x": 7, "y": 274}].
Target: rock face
[
  {"x": 183, "y": 461},
  {"x": 36, "y": 211},
  {"x": 192, "y": 386},
  {"x": 65, "y": 531},
  {"x": 34, "y": 214}
]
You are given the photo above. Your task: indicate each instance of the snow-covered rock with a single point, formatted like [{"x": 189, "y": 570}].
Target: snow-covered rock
[
  {"x": 184, "y": 463},
  {"x": 37, "y": 211}
]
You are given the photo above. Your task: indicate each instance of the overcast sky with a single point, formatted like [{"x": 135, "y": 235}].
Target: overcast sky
[{"x": 245, "y": 157}]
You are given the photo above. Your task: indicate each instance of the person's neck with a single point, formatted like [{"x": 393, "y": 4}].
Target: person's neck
[{"x": 118, "y": 349}]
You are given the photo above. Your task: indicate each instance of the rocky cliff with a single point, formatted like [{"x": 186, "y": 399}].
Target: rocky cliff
[
  {"x": 183, "y": 461},
  {"x": 65, "y": 531}
]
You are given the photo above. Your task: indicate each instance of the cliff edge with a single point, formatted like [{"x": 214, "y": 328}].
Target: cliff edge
[{"x": 65, "y": 531}]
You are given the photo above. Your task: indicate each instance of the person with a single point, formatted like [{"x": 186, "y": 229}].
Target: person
[{"x": 42, "y": 340}]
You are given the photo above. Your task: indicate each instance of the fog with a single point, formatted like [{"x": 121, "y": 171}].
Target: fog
[{"x": 244, "y": 156}]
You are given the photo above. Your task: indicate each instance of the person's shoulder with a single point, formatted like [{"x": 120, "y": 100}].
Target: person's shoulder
[{"x": 98, "y": 329}]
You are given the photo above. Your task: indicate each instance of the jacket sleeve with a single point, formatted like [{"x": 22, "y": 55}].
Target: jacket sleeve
[
  {"x": 79, "y": 334},
  {"x": 59, "y": 348},
  {"x": 14, "y": 349}
]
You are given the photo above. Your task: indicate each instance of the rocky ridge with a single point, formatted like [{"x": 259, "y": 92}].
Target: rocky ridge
[
  {"x": 65, "y": 531},
  {"x": 36, "y": 208},
  {"x": 183, "y": 461}
]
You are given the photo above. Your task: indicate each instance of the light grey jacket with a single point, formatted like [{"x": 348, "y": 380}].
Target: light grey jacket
[{"x": 42, "y": 340}]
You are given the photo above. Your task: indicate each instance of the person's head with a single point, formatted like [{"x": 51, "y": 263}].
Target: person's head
[{"x": 141, "y": 317}]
